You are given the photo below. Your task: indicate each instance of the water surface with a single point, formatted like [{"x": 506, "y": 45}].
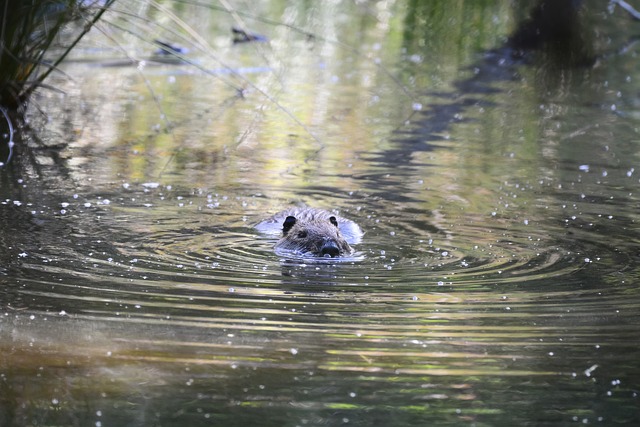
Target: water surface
[{"x": 496, "y": 284}]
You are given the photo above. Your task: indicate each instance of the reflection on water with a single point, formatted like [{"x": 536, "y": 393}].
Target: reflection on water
[{"x": 496, "y": 283}]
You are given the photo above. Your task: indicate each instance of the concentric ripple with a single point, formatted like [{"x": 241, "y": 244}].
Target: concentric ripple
[
  {"x": 185, "y": 283},
  {"x": 154, "y": 246}
]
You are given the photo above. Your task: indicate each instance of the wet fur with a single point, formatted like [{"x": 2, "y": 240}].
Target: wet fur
[{"x": 309, "y": 231}]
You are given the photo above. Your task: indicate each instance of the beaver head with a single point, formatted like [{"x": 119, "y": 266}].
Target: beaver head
[{"x": 315, "y": 236}]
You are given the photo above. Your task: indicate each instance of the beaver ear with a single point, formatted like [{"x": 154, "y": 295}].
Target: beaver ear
[
  {"x": 333, "y": 221},
  {"x": 289, "y": 222}
]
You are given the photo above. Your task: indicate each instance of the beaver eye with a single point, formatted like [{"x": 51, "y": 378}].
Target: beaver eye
[{"x": 302, "y": 234}]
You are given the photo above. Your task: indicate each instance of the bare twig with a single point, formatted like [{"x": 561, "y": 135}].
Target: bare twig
[
  {"x": 139, "y": 69},
  {"x": 626, "y": 6},
  {"x": 10, "y": 144},
  {"x": 90, "y": 23},
  {"x": 309, "y": 35}
]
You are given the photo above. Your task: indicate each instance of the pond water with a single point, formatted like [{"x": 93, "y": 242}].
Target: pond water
[{"x": 498, "y": 280}]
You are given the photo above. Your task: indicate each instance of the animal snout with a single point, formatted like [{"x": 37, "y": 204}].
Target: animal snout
[{"x": 330, "y": 248}]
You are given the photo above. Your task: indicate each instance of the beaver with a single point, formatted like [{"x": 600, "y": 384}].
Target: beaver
[{"x": 310, "y": 231}]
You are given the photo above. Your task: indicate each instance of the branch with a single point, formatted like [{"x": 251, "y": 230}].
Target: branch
[
  {"x": 626, "y": 6},
  {"x": 10, "y": 144}
]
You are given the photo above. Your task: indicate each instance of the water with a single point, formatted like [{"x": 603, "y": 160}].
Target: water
[{"x": 496, "y": 283}]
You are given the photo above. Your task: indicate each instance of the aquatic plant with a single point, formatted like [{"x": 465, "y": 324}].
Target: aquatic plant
[{"x": 35, "y": 36}]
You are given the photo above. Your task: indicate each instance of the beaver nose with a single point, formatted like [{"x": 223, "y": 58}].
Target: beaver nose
[{"x": 330, "y": 249}]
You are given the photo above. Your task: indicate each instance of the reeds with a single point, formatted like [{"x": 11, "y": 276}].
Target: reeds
[{"x": 34, "y": 40}]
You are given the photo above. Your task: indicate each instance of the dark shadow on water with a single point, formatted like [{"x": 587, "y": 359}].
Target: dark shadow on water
[{"x": 554, "y": 39}]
